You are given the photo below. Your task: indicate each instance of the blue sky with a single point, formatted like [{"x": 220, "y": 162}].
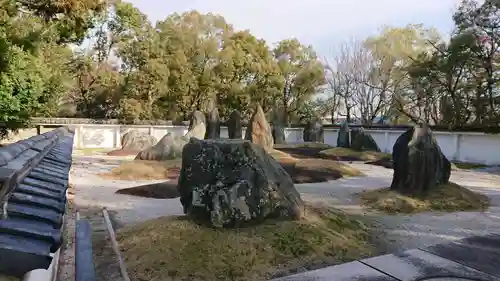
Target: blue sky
[{"x": 321, "y": 23}]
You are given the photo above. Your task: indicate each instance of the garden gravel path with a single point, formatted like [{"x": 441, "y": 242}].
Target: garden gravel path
[{"x": 397, "y": 232}]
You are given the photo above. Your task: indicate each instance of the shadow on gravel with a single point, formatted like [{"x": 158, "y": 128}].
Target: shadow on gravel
[{"x": 162, "y": 190}]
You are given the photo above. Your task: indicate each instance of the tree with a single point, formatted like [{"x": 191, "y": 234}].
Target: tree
[
  {"x": 481, "y": 24},
  {"x": 246, "y": 73},
  {"x": 145, "y": 63},
  {"x": 27, "y": 29},
  {"x": 445, "y": 75},
  {"x": 393, "y": 51},
  {"x": 192, "y": 40},
  {"x": 342, "y": 81},
  {"x": 302, "y": 72}
]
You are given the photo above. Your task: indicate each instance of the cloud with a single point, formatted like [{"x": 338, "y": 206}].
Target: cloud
[{"x": 316, "y": 22}]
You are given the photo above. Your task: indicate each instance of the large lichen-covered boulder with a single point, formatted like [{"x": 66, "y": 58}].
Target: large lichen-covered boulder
[
  {"x": 419, "y": 164},
  {"x": 227, "y": 183},
  {"x": 343, "y": 136},
  {"x": 363, "y": 141},
  {"x": 197, "y": 126},
  {"x": 136, "y": 141},
  {"x": 313, "y": 132},
  {"x": 213, "y": 122},
  {"x": 234, "y": 128},
  {"x": 168, "y": 148},
  {"x": 258, "y": 130}
]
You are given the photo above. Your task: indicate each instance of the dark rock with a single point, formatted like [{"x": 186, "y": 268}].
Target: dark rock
[
  {"x": 258, "y": 130},
  {"x": 229, "y": 182},
  {"x": 137, "y": 141},
  {"x": 419, "y": 164},
  {"x": 343, "y": 136},
  {"x": 234, "y": 126},
  {"x": 363, "y": 141},
  {"x": 213, "y": 122},
  {"x": 313, "y": 132},
  {"x": 168, "y": 148},
  {"x": 278, "y": 129}
]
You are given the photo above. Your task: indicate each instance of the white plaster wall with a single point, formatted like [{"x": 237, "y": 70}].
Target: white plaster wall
[
  {"x": 479, "y": 148},
  {"x": 467, "y": 147},
  {"x": 97, "y": 136}
]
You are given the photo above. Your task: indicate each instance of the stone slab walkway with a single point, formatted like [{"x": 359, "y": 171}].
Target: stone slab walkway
[{"x": 474, "y": 258}]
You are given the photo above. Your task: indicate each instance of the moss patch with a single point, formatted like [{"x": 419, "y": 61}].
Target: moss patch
[
  {"x": 446, "y": 198},
  {"x": 468, "y": 166},
  {"x": 176, "y": 248},
  {"x": 303, "y": 145},
  {"x": 145, "y": 170},
  {"x": 347, "y": 154}
]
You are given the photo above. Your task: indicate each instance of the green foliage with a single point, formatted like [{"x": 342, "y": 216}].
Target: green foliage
[
  {"x": 32, "y": 70},
  {"x": 176, "y": 65},
  {"x": 133, "y": 69}
]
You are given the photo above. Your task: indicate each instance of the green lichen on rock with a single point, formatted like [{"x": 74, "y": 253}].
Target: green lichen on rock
[
  {"x": 230, "y": 182},
  {"x": 363, "y": 141}
]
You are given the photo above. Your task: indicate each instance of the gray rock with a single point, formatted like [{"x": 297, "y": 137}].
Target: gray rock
[
  {"x": 197, "y": 127},
  {"x": 258, "y": 130},
  {"x": 227, "y": 183},
  {"x": 234, "y": 125},
  {"x": 137, "y": 141},
  {"x": 419, "y": 164},
  {"x": 213, "y": 122},
  {"x": 363, "y": 141},
  {"x": 343, "y": 136},
  {"x": 278, "y": 129},
  {"x": 168, "y": 148},
  {"x": 313, "y": 132}
]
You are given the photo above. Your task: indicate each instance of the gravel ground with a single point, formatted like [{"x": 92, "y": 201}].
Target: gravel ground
[
  {"x": 93, "y": 191},
  {"x": 394, "y": 232},
  {"x": 411, "y": 231}
]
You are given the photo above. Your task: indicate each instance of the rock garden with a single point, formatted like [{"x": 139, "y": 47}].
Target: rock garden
[{"x": 244, "y": 217}]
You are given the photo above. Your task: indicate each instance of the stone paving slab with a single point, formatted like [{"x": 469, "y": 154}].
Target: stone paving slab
[
  {"x": 473, "y": 258},
  {"x": 345, "y": 272},
  {"x": 416, "y": 264},
  {"x": 479, "y": 252}
]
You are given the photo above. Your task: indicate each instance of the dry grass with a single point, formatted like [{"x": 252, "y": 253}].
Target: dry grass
[
  {"x": 301, "y": 170},
  {"x": 328, "y": 166},
  {"x": 144, "y": 170},
  {"x": 468, "y": 166},
  {"x": 176, "y": 248},
  {"x": 91, "y": 151},
  {"x": 447, "y": 198},
  {"x": 303, "y": 145},
  {"x": 349, "y": 154},
  {"x": 281, "y": 156}
]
